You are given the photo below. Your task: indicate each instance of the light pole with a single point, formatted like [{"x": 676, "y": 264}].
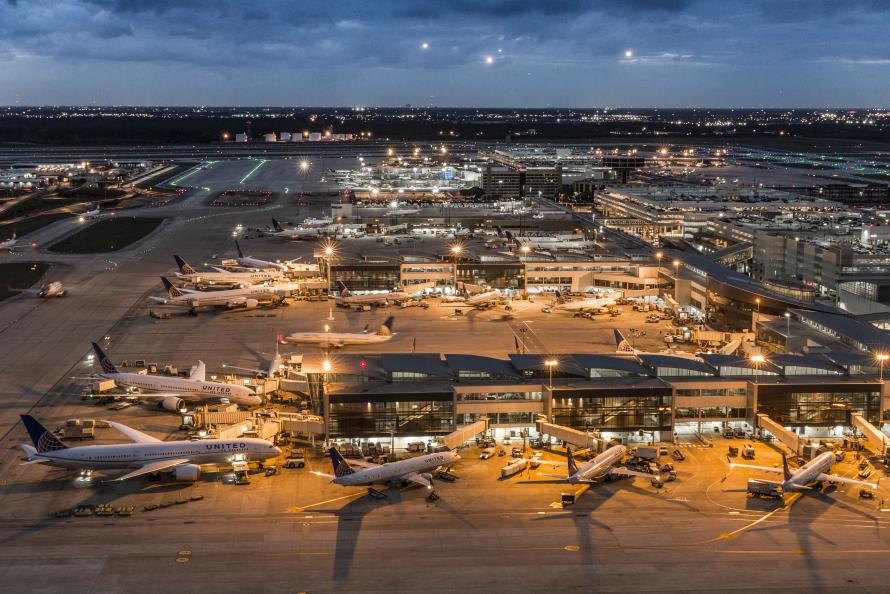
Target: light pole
[
  {"x": 456, "y": 250},
  {"x": 787, "y": 331},
  {"x": 881, "y": 357},
  {"x": 551, "y": 363},
  {"x": 758, "y": 360},
  {"x": 658, "y": 256},
  {"x": 328, "y": 256},
  {"x": 326, "y": 401},
  {"x": 524, "y": 250}
]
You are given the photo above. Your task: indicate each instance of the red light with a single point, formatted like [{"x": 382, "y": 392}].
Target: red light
[
  {"x": 34, "y": 245},
  {"x": 362, "y": 363},
  {"x": 279, "y": 337}
]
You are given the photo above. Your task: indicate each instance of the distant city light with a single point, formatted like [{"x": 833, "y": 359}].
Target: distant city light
[{"x": 489, "y": 59}]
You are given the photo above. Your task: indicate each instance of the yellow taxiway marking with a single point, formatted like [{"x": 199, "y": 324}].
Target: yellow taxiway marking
[
  {"x": 298, "y": 509},
  {"x": 764, "y": 517}
]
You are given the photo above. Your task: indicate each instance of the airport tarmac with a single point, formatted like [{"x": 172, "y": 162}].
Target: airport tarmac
[{"x": 295, "y": 532}]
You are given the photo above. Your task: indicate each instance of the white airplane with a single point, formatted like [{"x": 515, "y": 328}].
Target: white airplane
[
  {"x": 603, "y": 465},
  {"x": 296, "y": 233},
  {"x": 146, "y": 455},
  {"x": 8, "y": 244},
  {"x": 256, "y": 263},
  {"x": 480, "y": 299},
  {"x": 346, "y": 297},
  {"x": 341, "y": 339},
  {"x": 593, "y": 303},
  {"x": 623, "y": 347},
  {"x": 53, "y": 289},
  {"x": 93, "y": 215},
  {"x": 812, "y": 472},
  {"x": 413, "y": 470},
  {"x": 171, "y": 393},
  {"x": 247, "y": 298},
  {"x": 223, "y": 277}
]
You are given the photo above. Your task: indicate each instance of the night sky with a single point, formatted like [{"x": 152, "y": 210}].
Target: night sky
[{"x": 516, "y": 53}]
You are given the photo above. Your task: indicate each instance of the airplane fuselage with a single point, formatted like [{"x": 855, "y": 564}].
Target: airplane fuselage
[
  {"x": 336, "y": 338},
  {"x": 135, "y": 455},
  {"x": 599, "y": 465},
  {"x": 809, "y": 472},
  {"x": 189, "y": 388}
]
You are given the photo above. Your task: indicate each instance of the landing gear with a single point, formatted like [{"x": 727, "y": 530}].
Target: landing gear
[{"x": 433, "y": 496}]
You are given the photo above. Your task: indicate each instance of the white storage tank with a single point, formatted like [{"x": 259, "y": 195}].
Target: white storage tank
[{"x": 270, "y": 137}]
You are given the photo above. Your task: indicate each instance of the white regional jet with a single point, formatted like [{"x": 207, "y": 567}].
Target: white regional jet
[
  {"x": 603, "y": 465},
  {"x": 224, "y": 277},
  {"x": 94, "y": 215},
  {"x": 592, "y": 303},
  {"x": 146, "y": 455},
  {"x": 8, "y": 244},
  {"x": 346, "y": 297},
  {"x": 413, "y": 470},
  {"x": 341, "y": 339},
  {"x": 171, "y": 393},
  {"x": 812, "y": 472},
  {"x": 246, "y": 298},
  {"x": 296, "y": 233},
  {"x": 53, "y": 289}
]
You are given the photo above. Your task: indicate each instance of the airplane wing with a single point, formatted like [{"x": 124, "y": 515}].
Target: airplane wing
[
  {"x": 153, "y": 467},
  {"x": 250, "y": 369},
  {"x": 136, "y": 436},
  {"x": 418, "y": 480},
  {"x": 627, "y": 472},
  {"x": 361, "y": 463},
  {"x": 547, "y": 462},
  {"x": 152, "y": 396},
  {"x": 763, "y": 468},
  {"x": 555, "y": 476},
  {"x": 833, "y": 478}
]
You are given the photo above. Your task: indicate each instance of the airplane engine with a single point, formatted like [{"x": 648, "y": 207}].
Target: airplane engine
[
  {"x": 188, "y": 473},
  {"x": 251, "y": 304},
  {"x": 427, "y": 476},
  {"x": 172, "y": 404}
]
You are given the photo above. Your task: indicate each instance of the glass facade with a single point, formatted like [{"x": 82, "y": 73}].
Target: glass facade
[
  {"x": 414, "y": 417},
  {"x": 819, "y": 405},
  {"x": 613, "y": 410},
  {"x": 366, "y": 277},
  {"x": 515, "y": 418},
  {"x": 500, "y": 396},
  {"x": 716, "y": 412}
]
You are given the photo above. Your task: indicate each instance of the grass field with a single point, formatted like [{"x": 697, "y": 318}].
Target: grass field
[
  {"x": 107, "y": 235},
  {"x": 22, "y": 228},
  {"x": 20, "y": 275}
]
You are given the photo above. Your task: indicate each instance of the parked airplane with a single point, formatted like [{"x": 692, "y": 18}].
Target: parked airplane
[
  {"x": 246, "y": 298},
  {"x": 53, "y": 289},
  {"x": 274, "y": 369},
  {"x": 603, "y": 465},
  {"x": 146, "y": 455},
  {"x": 171, "y": 393},
  {"x": 251, "y": 262},
  {"x": 413, "y": 470},
  {"x": 812, "y": 472},
  {"x": 481, "y": 298},
  {"x": 296, "y": 233},
  {"x": 589, "y": 304},
  {"x": 346, "y": 297},
  {"x": 220, "y": 276},
  {"x": 341, "y": 339}
]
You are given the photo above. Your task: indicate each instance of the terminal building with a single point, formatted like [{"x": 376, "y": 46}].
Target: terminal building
[{"x": 418, "y": 396}]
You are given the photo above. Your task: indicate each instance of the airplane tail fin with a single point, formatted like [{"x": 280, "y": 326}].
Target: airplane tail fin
[
  {"x": 573, "y": 467},
  {"x": 622, "y": 344},
  {"x": 386, "y": 327},
  {"x": 276, "y": 225},
  {"x": 344, "y": 292},
  {"x": 238, "y": 247},
  {"x": 341, "y": 468},
  {"x": 184, "y": 266},
  {"x": 199, "y": 372},
  {"x": 104, "y": 361},
  {"x": 171, "y": 289},
  {"x": 44, "y": 441},
  {"x": 785, "y": 471}
]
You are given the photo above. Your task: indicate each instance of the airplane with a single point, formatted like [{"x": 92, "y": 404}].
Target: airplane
[
  {"x": 53, "y": 289},
  {"x": 224, "y": 277},
  {"x": 813, "y": 471},
  {"x": 245, "y": 298},
  {"x": 604, "y": 464},
  {"x": 171, "y": 393},
  {"x": 347, "y": 299},
  {"x": 8, "y": 244},
  {"x": 94, "y": 214},
  {"x": 623, "y": 347},
  {"x": 256, "y": 263},
  {"x": 341, "y": 339},
  {"x": 593, "y": 303},
  {"x": 479, "y": 300},
  {"x": 413, "y": 470},
  {"x": 296, "y": 233},
  {"x": 146, "y": 455}
]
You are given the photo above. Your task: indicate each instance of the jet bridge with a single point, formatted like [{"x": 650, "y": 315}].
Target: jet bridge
[
  {"x": 789, "y": 438},
  {"x": 462, "y": 434},
  {"x": 579, "y": 439},
  {"x": 876, "y": 439}
]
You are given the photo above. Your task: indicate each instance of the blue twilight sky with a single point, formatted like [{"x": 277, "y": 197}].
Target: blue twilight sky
[{"x": 634, "y": 53}]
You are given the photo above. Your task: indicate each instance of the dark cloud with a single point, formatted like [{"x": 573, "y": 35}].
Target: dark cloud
[{"x": 372, "y": 49}]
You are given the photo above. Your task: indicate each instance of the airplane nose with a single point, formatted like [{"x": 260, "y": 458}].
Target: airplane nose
[{"x": 277, "y": 451}]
